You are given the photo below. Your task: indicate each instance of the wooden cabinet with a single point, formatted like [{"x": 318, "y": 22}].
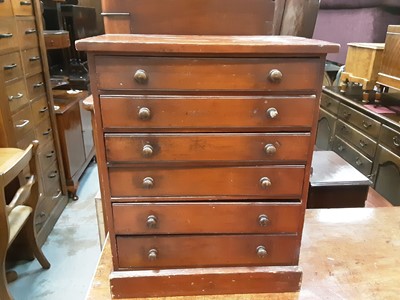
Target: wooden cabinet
[
  {"x": 204, "y": 148},
  {"x": 74, "y": 126},
  {"x": 368, "y": 140},
  {"x": 26, "y": 104}
]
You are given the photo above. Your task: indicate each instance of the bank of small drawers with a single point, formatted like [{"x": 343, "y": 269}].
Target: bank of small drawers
[{"x": 172, "y": 147}]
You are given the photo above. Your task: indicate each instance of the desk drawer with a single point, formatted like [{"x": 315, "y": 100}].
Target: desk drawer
[
  {"x": 27, "y": 32},
  {"x": 361, "y": 141},
  {"x": 8, "y": 33},
  {"x": 390, "y": 138},
  {"x": 23, "y": 122},
  {"x": 157, "y": 148},
  {"x": 22, "y": 7},
  {"x": 165, "y": 113},
  {"x": 32, "y": 61},
  {"x": 262, "y": 182},
  {"x": 44, "y": 132},
  {"x": 47, "y": 155},
  {"x": 11, "y": 65},
  {"x": 352, "y": 156},
  {"x": 5, "y": 8},
  {"x": 205, "y": 217},
  {"x": 17, "y": 95},
  {"x": 330, "y": 104},
  {"x": 36, "y": 86},
  {"x": 40, "y": 109},
  {"x": 226, "y": 74},
  {"x": 367, "y": 124},
  {"x": 201, "y": 251}
]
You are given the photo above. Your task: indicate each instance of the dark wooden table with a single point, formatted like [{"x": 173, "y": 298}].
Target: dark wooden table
[{"x": 350, "y": 253}]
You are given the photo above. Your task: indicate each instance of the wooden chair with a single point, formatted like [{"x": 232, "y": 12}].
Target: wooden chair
[{"x": 19, "y": 213}]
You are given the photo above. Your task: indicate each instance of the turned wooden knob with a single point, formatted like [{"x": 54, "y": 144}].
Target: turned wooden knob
[
  {"x": 144, "y": 113},
  {"x": 148, "y": 183},
  {"x": 151, "y": 221},
  {"x": 272, "y": 112},
  {"x": 147, "y": 151},
  {"x": 152, "y": 254},
  {"x": 263, "y": 220}
]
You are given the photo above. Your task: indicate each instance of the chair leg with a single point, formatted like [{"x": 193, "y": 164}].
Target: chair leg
[
  {"x": 11, "y": 276},
  {"x": 4, "y": 292},
  {"x": 31, "y": 235}
]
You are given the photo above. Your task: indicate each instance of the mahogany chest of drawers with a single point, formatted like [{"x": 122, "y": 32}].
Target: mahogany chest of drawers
[{"x": 204, "y": 149}]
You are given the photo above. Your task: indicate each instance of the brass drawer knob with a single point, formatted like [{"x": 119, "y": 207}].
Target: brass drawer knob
[
  {"x": 272, "y": 113},
  {"x": 263, "y": 220},
  {"x": 151, "y": 221},
  {"x": 147, "y": 151},
  {"x": 261, "y": 252},
  {"x": 270, "y": 149},
  {"x": 153, "y": 253},
  {"x": 140, "y": 76},
  {"x": 144, "y": 113},
  {"x": 265, "y": 183},
  {"x": 275, "y": 76},
  {"x": 148, "y": 183}
]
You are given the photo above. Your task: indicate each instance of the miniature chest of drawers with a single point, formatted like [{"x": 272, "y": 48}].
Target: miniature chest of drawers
[{"x": 204, "y": 147}]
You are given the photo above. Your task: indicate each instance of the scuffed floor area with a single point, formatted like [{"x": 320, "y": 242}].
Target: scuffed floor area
[{"x": 72, "y": 248}]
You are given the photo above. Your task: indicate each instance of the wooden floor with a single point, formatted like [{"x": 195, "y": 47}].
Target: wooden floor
[{"x": 376, "y": 200}]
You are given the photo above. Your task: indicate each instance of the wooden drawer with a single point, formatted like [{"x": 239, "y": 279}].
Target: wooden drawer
[
  {"x": 22, "y": 7},
  {"x": 56, "y": 39},
  {"x": 51, "y": 180},
  {"x": 390, "y": 138},
  {"x": 262, "y": 182},
  {"x": 23, "y": 122},
  {"x": 205, "y": 217},
  {"x": 47, "y": 155},
  {"x": 158, "y": 148},
  {"x": 43, "y": 212},
  {"x": 361, "y": 141},
  {"x": 36, "y": 86},
  {"x": 40, "y": 110},
  {"x": 206, "y": 250},
  {"x": 8, "y": 33},
  {"x": 352, "y": 156},
  {"x": 330, "y": 104},
  {"x": 32, "y": 61},
  {"x": 197, "y": 18},
  {"x": 17, "y": 95},
  {"x": 367, "y": 124},
  {"x": 166, "y": 113},
  {"x": 44, "y": 132},
  {"x": 226, "y": 74},
  {"x": 27, "y": 32},
  {"x": 11, "y": 65},
  {"x": 5, "y": 8}
]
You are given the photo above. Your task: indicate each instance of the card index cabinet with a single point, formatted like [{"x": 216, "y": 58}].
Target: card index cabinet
[
  {"x": 26, "y": 106},
  {"x": 204, "y": 148}
]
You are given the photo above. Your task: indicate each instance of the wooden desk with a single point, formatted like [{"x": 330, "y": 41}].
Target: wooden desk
[{"x": 350, "y": 253}]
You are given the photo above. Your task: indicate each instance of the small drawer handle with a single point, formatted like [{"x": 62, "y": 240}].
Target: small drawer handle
[
  {"x": 16, "y": 97},
  {"x": 147, "y": 151},
  {"x": 340, "y": 148},
  {"x": 140, "y": 76},
  {"x": 346, "y": 114},
  {"x": 53, "y": 174},
  {"x": 363, "y": 143},
  {"x": 10, "y": 66},
  {"x": 57, "y": 195},
  {"x": 115, "y": 14},
  {"x": 272, "y": 112},
  {"x": 6, "y": 35},
  {"x": 144, "y": 113},
  {"x": 396, "y": 141},
  {"x": 359, "y": 162},
  {"x": 344, "y": 128},
  {"x": 328, "y": 103},
  {"x": 265, "y": 183},
  {"x": 30, "y": 31},
  {"x": 38, "y": 85},
  {"x": 44, "y": 109},
  {"x": 148, "y": 183},
  {"x": 152, "y": 255},
  {"x": 275, "y": 76},
  {"x": 50, "y": 154},
  {"x": 263, "y": 220},
  {"x": 47, "y": 132},
  {"x": 151, "y": 221},
  {"x": 261, "y": 251},
  {"x": 366, "y": 125},
  {"x": 34, "y": 58},
  {"x": 23, "y": 124},
  {"x": 270, "y": 149},
  {"x": 25, "y": 3}
]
